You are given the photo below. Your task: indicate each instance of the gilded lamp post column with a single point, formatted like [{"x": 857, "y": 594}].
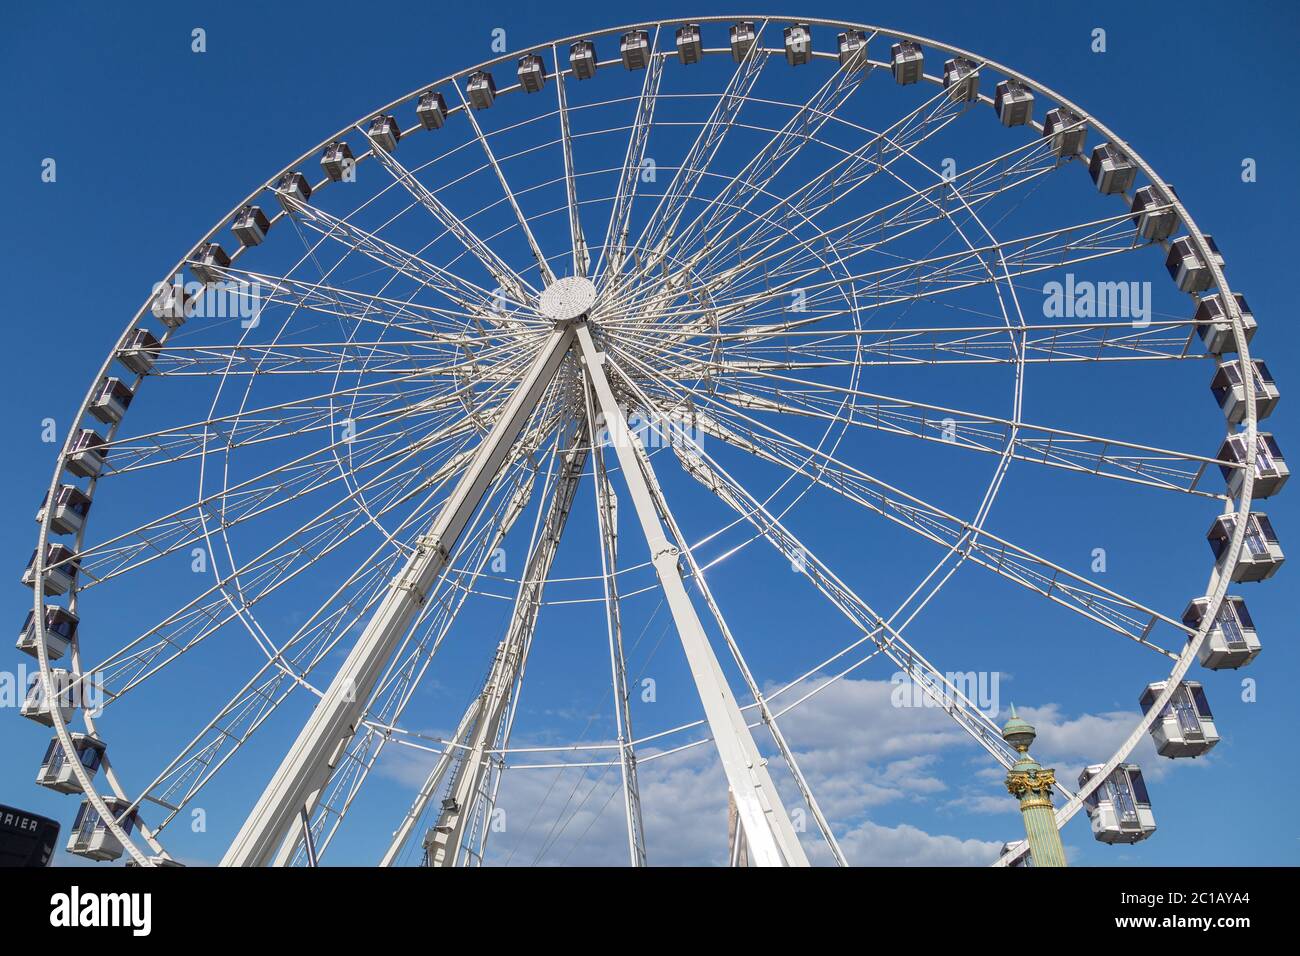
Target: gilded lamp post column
[{"x": 1032, "y": 784}]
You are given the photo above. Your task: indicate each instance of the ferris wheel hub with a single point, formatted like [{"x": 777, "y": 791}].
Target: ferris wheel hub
[{"x": 567, "y": 299}]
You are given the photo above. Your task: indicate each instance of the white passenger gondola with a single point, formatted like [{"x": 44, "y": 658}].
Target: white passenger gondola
[
  {"x": 111, "y": 400},
  {"x": 690, "y": 45},
  {"x": 57, "y": 772},
  {"x": 482, "y": 89},
  {"x": 61, "y": 569},
  {"x": 385, "y": 132},
  {"x": 1185, "y": 727},
  {"x": 36, "y": 706},
  {"x": 60, "y": 631},
  {"x": 431, "y": 109},
  {"x": 1014, "y": 103},
  {"x": 961, "y": 78},
  {"x": 171, "y": 304},
  {"x": 1111, "y": 170},
  {"x": 292, "y": 186},
  {"x": 87, "y": 455},
  {"x": 1186, "y": 267},
  {"x": 852, "y": 45},
  {"x": 207, "y": 261},
  {"x": 634, "y": 48},
  {"x": 798, "y": 44},
  {"x": 1271, "y": 471},
  {"x": 91, "y": 836},
  {"x": 251, "y": 225},
  {"x": 1119, "y": 809},
  {"x": 1232, "y": 640},
  {"x": 1154, "y": 218},
  {"x": 906, "y": 62},
  {"x": 1067, "y": 131},
  {"x": 337, "y": 161},
  {"x": 1215, "y": 327},
  {"x": 139, "y": 351},
  {"x": 583, "y": 60},
  {"x": 742, "y": 38},
  {"x": 1230, "y": 392},
  {"x": 531, "y": 72},
  {"x": 1260, "y": 556},
  {"x": 71, "y": 505}
]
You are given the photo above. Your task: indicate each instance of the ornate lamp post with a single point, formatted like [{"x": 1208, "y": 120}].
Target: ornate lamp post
[{"x": 1032, "y": 784}]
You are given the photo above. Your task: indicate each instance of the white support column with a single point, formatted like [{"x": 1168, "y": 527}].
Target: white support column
[
  {"x": 308, "y": 765},
  {"x": 769, "y": 836}
]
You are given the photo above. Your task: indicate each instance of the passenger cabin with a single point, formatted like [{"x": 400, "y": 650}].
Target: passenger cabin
[
  {"x": 1260, "y": 556},
  {"x": 531, "y": 72},
  {"x": 292, "y": 187},
  {"x": 1014, "y": 103},
  {"x": 852, "y": 45},
  {"x": 1190, "y": 272},
  {"x": 482, "y": 89},
  {"x": 1215, "y": 327},
  {"x": 71, "y": 505},
  {"x": 690, "y": 45},
  {"x": 1185, "y": 726},
  {"x": 251, "y": 225},
  {"x": 1230, "y": 392},
  {"x": 337, "y": 161},
  {"x": 91, "y": 836},
  {"x": 171, "y": 304},
  {"x": 798, "y": 44},
  {"x": 1067, "y": 131},
  {"x": 1111, "y": 171},
  {"x": 111, "y": 400},
  {"x": 431, "y": 109},
  {"x": 634, "y": 48},
  {"x": 906, "y": 62},
  {"x": 57, "y": 772},
  {"x": 1153, "y": 222},
  {"x": 742, "y": 37},
  {"x": 961, "y": 78},
  {"x": 139, "y": 351},
  {"x": 1231, "y": 641},
  {"x": 87, "y": 454},
  {"x": 384, "y": 132},
  {"x": 583, "y": 60},
  {"x": 1271, "y": 471},
  {"x": 1119, "y": 809},
  {"x": 60, "y": 631},
  {"x": 60, "y": 569},
  {"x": 207, "y": 261},
  {"x": 37, "y": 707}
]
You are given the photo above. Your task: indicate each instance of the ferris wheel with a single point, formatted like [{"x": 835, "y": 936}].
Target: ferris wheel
[{"x": 697, "y": 284}]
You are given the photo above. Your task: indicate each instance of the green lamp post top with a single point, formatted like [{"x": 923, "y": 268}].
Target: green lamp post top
[{"x": 1018, "y": 732}]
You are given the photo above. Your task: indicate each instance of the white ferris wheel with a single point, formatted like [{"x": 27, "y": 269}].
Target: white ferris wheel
[{"x": 698, "y": 284}]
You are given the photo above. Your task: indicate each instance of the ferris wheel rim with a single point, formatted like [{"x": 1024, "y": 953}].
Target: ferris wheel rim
[{"x": 1219, "y": 583}]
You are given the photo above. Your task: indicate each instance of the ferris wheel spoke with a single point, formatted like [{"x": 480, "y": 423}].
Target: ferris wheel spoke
[
  {"x": 944, "y": 274},
  {"x": 941, "y": 202},
  {"x": 614, "y": 249},
  {"x": 505, "y": 277},
  {"x": 971, "y": 431},
  {"x": 313, "y": 474},
  {"x": 1112, "y": 610},
  {"x": 802, "y": 204},
  {"x": 581, "y": 254},
  {"x": 665, "y": 219},
  {"x": 463, "y": 294}
]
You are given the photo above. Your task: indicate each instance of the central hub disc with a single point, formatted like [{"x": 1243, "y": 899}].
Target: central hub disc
[{"x": 567, "y": 299}]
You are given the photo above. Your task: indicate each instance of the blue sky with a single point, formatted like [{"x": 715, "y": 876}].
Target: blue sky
[{"x": 154, "y": 143}]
